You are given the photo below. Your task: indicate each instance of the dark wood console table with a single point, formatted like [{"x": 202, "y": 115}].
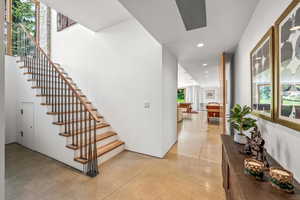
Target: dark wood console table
[{"x": 239, "y": 186}]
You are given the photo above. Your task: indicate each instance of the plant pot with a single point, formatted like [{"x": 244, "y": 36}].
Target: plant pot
[{"x": 240, "y": 139}]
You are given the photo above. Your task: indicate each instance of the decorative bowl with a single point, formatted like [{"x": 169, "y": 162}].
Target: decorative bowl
[
  {"x": 254, "y": 168},
  {"x": 281, "y": 179}
]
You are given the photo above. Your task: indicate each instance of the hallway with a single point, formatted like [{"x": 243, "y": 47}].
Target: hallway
[{"x": 191, "y": 170}]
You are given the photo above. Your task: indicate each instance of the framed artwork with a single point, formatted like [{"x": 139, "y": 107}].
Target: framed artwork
[
  {"x": 262, "y": 70},
  {"x": 63, "y": 22},
  {"x": 287, "y": 29},
  {"x": 210, "y": 94}
]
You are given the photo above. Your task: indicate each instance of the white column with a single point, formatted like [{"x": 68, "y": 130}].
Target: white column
[{"x": 2, "y": 118}]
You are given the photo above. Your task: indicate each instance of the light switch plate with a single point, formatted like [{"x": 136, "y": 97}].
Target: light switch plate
[{"x": 146, "y": 104}]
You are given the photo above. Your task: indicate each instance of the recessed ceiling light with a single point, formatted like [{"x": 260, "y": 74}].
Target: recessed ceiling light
[
  {"x": 204, "y": 64},
  {"x": 200, "y": 45}
]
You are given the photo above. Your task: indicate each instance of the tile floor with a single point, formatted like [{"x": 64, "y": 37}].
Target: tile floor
[{"x": 190, "y": 171}]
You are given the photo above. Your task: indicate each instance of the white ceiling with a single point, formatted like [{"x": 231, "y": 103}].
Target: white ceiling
[
  {"x": 185, "y": 79},
  {"x": 93, "y": 14},
  {"x": 226, "y": 21}
]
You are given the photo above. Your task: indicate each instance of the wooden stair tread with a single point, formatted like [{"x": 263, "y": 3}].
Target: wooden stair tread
[
  {"x": 48, "y": 75},
  {"x": 106, "y": 148},
  {"x": 99, "y": 137},
  {"x": 49, "y": 104},
  {"x": 70, "y": 112},
  {"x": 59, "y": 95},
  {"x": 52, "y": 88},
  {"x": 42, "y": 69},
  {"x": 75, "y": 121},
  {"x": 43, "y": 74},
  {"x": 103, "y": 150},
  {"x": 50, "y": 81},
  {"x": 78, "y": 132}
]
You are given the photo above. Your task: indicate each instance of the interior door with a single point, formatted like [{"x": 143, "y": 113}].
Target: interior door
[{"x": 27, "y": 125}]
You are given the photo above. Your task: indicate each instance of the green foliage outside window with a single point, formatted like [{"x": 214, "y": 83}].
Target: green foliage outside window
[
  {"x": 180, "y": 96},
  {"x": 23, "y": 12}
]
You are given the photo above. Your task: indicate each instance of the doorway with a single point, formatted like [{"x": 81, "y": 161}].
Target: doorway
[
  {"x": 226, "y": 93},
  {"x": 27, "y": 138}
]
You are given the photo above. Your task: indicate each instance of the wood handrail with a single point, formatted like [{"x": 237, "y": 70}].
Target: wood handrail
[{"x": 60, "y": 73}]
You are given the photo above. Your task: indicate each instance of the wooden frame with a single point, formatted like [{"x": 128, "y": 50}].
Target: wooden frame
[
  {"x": 278, "y": 119},
  {"x": 268, "y": 36},
  {"x": 8, "y": 10},
  {"x": 9, "y": 19}
]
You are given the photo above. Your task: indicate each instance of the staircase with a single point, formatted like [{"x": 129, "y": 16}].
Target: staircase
[{"x": 87, "y": 133}]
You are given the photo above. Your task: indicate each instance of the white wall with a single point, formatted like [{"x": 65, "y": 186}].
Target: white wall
[
  {"x": 120, "y": 70},
  {"x": 2, "y": 100},
  {"x": 281, "y": 142},
  {"x": 10, "y": 99},
  {"x": 169, "y": 99}
]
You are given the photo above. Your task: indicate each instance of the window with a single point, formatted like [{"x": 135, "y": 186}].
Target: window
[{"x": 181, "y": 95}]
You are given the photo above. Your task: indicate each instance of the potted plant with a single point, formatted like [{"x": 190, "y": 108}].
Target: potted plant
[{"x": 241, "y": 123}]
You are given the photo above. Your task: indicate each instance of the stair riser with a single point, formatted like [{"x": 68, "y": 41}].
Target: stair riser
[
  {"x": 110, "y": 154},
  {"x": 22, "y": 64},
  {"x": 30, "y": 76},
  {"x": 62, "y": 100},
  {"x": 58, "y": 91},
  {"x": 55, "y": 119},
  {"x": 98, "y": 131},
  {"x": 66, "y": 107},
  {"x": 99, "y": 144}
]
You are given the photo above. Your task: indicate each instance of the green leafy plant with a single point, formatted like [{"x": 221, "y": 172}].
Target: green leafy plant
[{"x": 239, "y": 119}]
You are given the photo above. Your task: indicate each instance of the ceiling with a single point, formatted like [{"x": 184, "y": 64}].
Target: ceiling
[
  {"x": 226, "y": 21},
  {"x": 93, "y": 14},
  {"x": 185, "y": 79}
]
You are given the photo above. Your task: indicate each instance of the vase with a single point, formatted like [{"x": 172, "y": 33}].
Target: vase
[{"x": 239, "y": 138}]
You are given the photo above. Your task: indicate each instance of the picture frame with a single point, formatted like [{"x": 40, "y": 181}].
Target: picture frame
[
  {"x": 63, "y": 22},
  {"x": 287, "y": 70},
  {"x": 210, "y": 94},
  {"x": 262, "y": 77}
]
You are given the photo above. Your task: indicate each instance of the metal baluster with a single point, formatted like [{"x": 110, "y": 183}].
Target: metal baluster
[
  {"x": 45, "y": 75},
  {"x": 55, "y": 90},
  {"x": 52, "y": 86},
  {"x": 85, "y": 133},
  {"x": 95, "y": 156},
  {"x": 77, "y": 120},
  {"x": 81, "y": 128},
  {"x": 73, "y": 135},
  {"x": 65, "y": 107},
  {"x": 68, "y": 113},
  {"x": 58, "y": 100},
  {"x": 90, "y": 137}
]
